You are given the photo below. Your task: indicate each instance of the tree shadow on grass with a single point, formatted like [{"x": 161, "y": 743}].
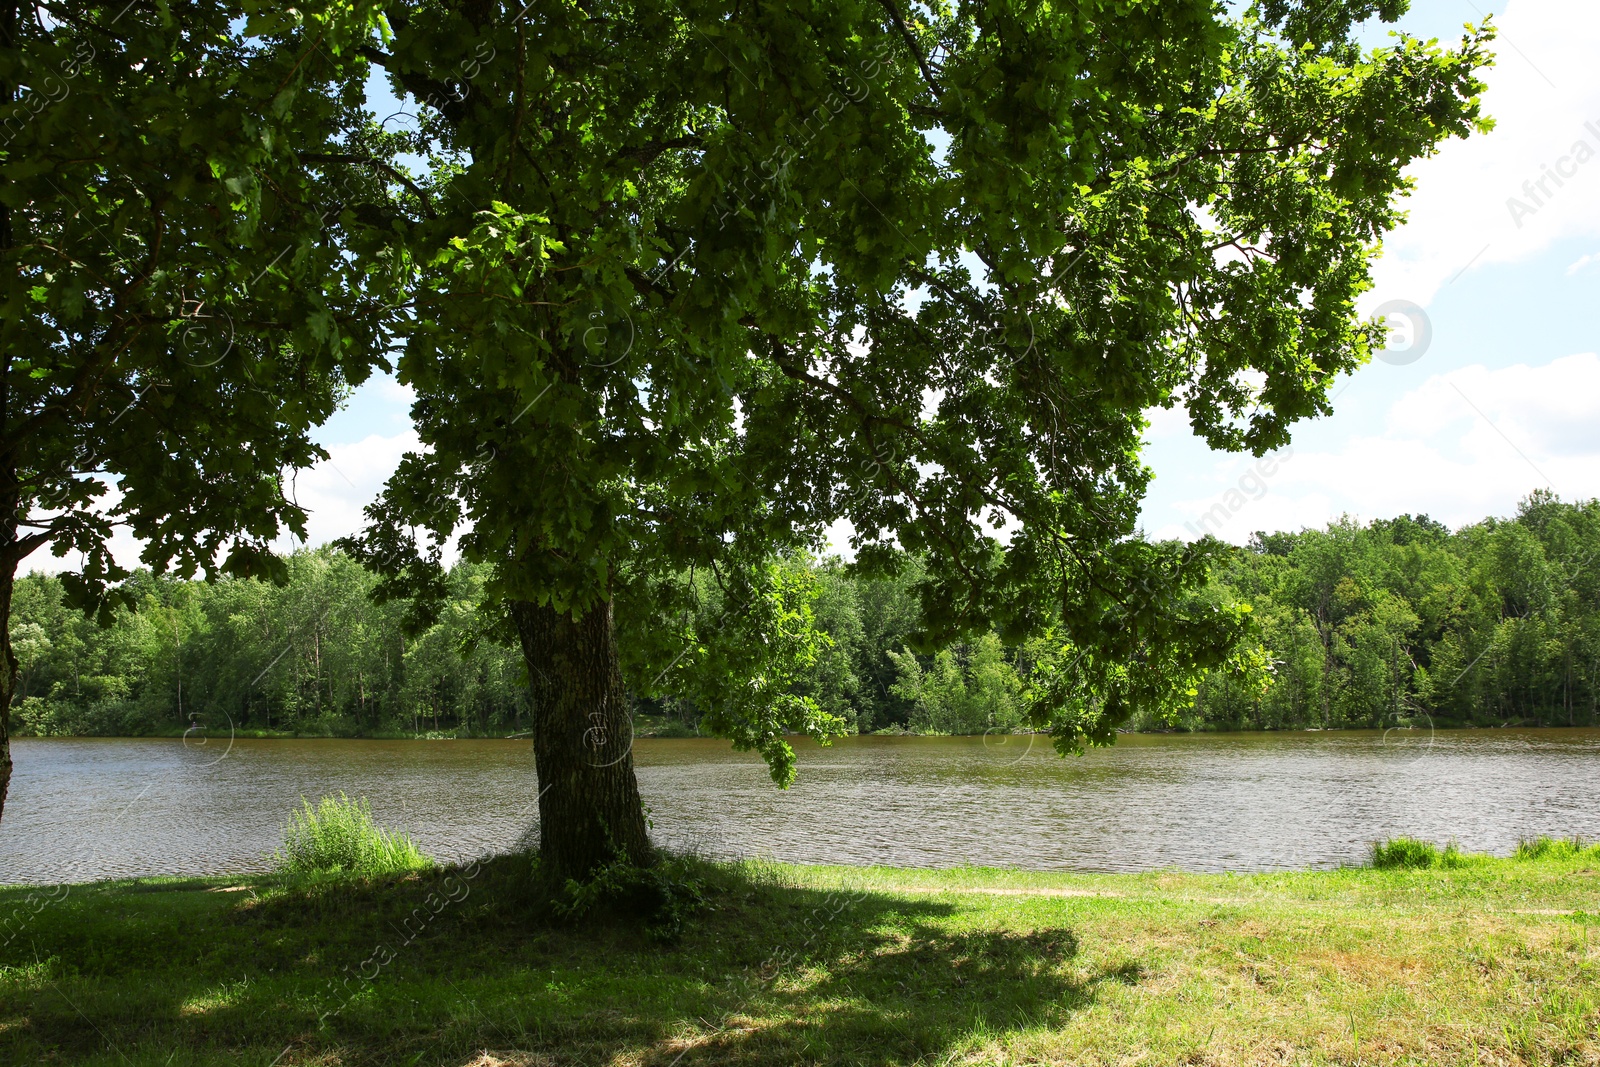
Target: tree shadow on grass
[
  {"x": 437, "y": 968},
  {"x": 906, "y": 996}
]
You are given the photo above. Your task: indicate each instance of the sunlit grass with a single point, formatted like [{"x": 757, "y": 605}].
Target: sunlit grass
[
  {"x": 1493, "y": 962},
  {"x": 338, "y": 835},
  {"x": 1411, "y": 854},
  {"x": 1557, "y": 848}
]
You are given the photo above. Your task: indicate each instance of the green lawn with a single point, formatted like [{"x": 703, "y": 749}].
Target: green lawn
[{"x": 1493, "y": 963}]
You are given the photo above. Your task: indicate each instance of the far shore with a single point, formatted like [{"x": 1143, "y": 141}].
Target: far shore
[{"x": 650, "y": 732}]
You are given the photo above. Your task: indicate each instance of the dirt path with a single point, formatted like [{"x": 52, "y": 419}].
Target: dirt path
[{"x": 1052, "y": 891}]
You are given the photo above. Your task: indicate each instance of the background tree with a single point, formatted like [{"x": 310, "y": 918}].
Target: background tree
[
  {"x": 705, "y": 279},
  {"x": 180, "y": 184},
  {"x": 968, "y": 688},
  {"x": 1429, "y": 640},
  {"x": 313, "y": 655},
  {"x": 1403, "y": 621}
]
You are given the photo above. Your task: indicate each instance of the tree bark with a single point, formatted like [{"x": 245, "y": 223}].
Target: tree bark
[
  {"x": 590, "y": 812},
  {"x": 9, "y": 559},
  {"x": 8, "y": 685},
  {"x": 8, "y": 564}
]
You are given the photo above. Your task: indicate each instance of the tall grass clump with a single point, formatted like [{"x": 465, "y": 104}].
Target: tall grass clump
[
  {"x": 1408, "y": 853},
  {"x": 338, "y": 834},
  {"x": 1556, "y": 848}
]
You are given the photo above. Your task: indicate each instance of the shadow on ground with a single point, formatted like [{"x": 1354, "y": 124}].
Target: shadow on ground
[{"x": 437, "y": 968}]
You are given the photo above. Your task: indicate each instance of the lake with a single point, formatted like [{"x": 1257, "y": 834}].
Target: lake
[{"x": 86, "y": 809}]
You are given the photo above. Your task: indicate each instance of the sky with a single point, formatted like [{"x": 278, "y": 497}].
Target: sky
[
  {"x": 1491, "y": 387},
  {"x": 1504, "y": 396}
]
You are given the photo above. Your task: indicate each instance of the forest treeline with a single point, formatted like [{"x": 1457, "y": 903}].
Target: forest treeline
[
  {"x": 1392, "y": 622},
  {"x": 1497, "y": 623}
]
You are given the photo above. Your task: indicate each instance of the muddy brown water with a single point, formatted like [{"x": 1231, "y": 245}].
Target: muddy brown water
[{"x": 87, "y": 809}]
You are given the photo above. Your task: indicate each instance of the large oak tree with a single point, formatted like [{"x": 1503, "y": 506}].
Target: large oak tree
[
  {"x": 704, "y": 278},
  {"x": 183, "y": 186}
]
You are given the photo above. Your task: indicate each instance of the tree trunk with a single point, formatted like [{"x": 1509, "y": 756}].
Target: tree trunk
[
  {"x": 12, "y": 552},
  {"x": 8, "y": 674},
  {"x": 9, "y": 561},
  {"x": 589, "y": 807}
]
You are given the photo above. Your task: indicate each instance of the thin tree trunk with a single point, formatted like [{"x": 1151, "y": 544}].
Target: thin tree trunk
[
  {"x": 8, "y": 519},
  {"x": 8, "y": 657},
  {"x": 589, "y": 807},
  {"x": 13, "y": 550},
  {"x": 177, "y": 662}
]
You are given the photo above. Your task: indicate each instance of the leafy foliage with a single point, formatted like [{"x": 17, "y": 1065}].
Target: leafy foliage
[
  {"x": 1403, "y": 623},
  {"x": 1395, "y": 624},
  {"x": 185, "y": 191},
  {"x": 712, "y": 279},
  {"x": 664, "y": 893},
  {"x": 178, "y": 205},
  {"x": 312, "y": 656},
  {"x": 968, "y": 689}
]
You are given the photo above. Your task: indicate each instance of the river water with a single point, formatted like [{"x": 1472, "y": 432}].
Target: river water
[{"x": 87, "y": 809}]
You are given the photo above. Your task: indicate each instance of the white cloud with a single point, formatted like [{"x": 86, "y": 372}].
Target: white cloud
[
  {"x": 1166, "y": 422},
  {"x": 1582, "y": 262},
  {"x": 335, "y": 491},
  {"x": 1459, "y": 447},
  {"x": 1548, "y": 411},
  {"x": 1544, "y": 95},
  {"x": 392, "y": 391}
]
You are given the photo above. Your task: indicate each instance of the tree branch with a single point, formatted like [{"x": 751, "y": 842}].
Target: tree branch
[
  {"x": 378, "y": 165},
  {"x": 916, "y": 50},
  {"x": 435, "y": 94}
]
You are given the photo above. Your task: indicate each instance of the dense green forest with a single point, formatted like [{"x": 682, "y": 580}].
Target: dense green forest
[
  {"x": 1495, "y": 623},
  {"x": 1396, "y": 621}
]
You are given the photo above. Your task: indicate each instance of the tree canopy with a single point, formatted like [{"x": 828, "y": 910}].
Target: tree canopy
[
  {"x": 181, "y": 301},
  {"x": 681, "y": 287},
  {"x": 1392, "y": 623},
  {"x": 697, "y": 282},
  {"x": 710, "y": 279}
]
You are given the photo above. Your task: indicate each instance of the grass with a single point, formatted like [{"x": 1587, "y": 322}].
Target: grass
[
  {"x": 1495, "y": 961},
  {"x": 337, "y": 835},
  {"x": 1558, "y": 848},
  {"x": 1407, "y": 853}
]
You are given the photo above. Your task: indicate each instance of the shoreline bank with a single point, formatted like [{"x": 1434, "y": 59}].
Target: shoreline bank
[
  {"x": 817, "y": 964},
  {"x": 652, "y": 734}
]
